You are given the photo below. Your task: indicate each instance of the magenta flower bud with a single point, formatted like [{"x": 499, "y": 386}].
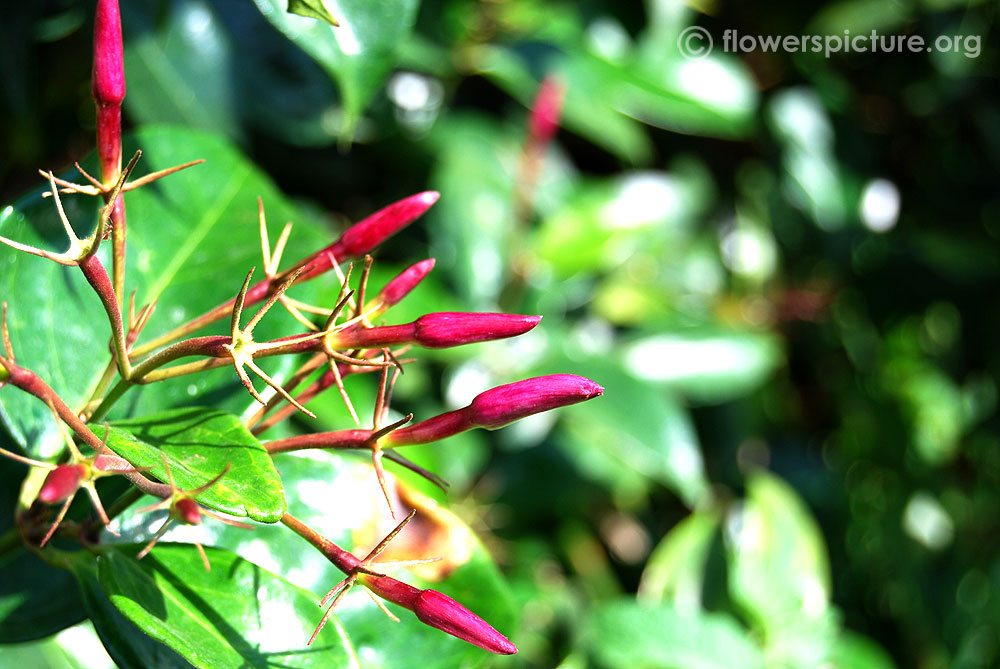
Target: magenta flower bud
[
  {"x": 447, "y": 615},
  {"x": 504, "y": 404},
  {"x": 365, "y": 235},
  {"x": 61, "y": 483},
  {"x": 400, "y": 287},
  {"x": 441, "y": 612},
  {"x": 108, "y": 86},
  {"x": 546, "y": 111},
  {"x": 501, "y": 406},
  {"x": 186, "y": 510},
  {"x": 438, "y": 330},
  {"x": 444, "y": 329}
]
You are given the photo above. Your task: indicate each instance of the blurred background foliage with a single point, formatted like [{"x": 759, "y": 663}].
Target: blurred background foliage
[{"x": 782, "y": 267}]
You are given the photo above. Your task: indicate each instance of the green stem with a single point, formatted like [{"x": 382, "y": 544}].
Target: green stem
[{"x": 9, "y": 541}]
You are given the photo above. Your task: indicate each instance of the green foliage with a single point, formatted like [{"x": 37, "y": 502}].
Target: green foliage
[
  {"x": 196, "y": 444},
  {"x": 795, "y": 462}
]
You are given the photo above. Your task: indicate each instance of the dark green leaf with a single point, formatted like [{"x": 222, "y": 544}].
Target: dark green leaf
[
  {"x": 36, "y": 600},
  {"x": 127, "y": 645},
  {"x": 626, "y": 634},
  {"x": 358, "y": 54},
  {"x": 199, "y": 443},
  {"x": 314, "y": 9},
  {"x": 236, "y": 615}
]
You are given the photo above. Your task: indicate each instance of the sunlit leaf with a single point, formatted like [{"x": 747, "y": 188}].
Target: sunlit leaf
[
  {"x": 236, "y": 615},
  {"x": 199, "y": 444}
]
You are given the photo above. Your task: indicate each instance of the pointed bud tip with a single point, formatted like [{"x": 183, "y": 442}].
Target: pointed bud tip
[
  {"x": 444, "y": 613},
  {"x": 505, "y": 404},
  {"x": 444, "y": 329},
  {"x": 428, "y": 197}
]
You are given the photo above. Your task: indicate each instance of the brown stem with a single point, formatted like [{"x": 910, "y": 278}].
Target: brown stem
[
  {"x": 32, "y": 384},
  {"x": 98, "y": 278}
]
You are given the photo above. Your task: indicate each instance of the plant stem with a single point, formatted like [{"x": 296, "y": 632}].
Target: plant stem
[
  {"x": 97, "y": 276},
  {"x": 31, "y": 383}
]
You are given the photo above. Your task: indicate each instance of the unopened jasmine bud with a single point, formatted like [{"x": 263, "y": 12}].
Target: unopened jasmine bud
[
  {"x": 444, "y": 613},
  {"x": 366, "y": 234},
  {"x": 62, "y": 483},
  {"x": 501, "y": 406}
]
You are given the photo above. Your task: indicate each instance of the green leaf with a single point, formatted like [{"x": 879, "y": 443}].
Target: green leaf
[
  {"x": 473, "y": 169},
  {"x": 236, "y": 615},
  {"x": 218, "y": 67},
  {"x": 708, "y": 365},
  {"x": 192, "y": 237},
  {"x": 314, "y": 9},
  {"x": 661, "y": 445},
  {"x": 127, "y": 645},
  {"x": 199, "y": 443},
  {"x": 358, "y": 54},
  {"x": 853, "y": 651},
  {"x": 675, "y": 571},
  {"x": 779, "y": 574},
  {"x": 36, "y": 600},
  {"x": 624, "y": 633}
]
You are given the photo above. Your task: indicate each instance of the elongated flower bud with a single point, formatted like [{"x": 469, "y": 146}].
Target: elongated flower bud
[
  {"x": 407, "y": 280},
  {"x": 447, "y": 615},
  {"x": 108, "y": 86},
  {"x": 441, "y": 612},
  {"x": 438, "y": 330},
  {"x": 501, "y": 406},
  {"x": 366, "y": 234},
  {"x": 61, "y": 483}
]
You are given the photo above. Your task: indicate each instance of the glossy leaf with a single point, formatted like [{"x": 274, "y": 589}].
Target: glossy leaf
[
  {"x": 127, "y": 645},
  {"x": 236, "y": 615},
  {"x": 181, "y": 64},
  {"x": 191, "y": 239},
  {"x": 624, "y": 633},
  {"x": 199, "y": 443},
  {"x": 358, "y": 54}
]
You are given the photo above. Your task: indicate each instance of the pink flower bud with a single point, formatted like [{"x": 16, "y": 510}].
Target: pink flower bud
[
  {"x": 108, "y": 86},
  {"x": 501, "y": 406},
  {"x": 444, "y": 329},
  {"x": 546, "y": 111},
  {"x": 442, "y": 612},
  {"x": 108, "y": 75},
  {"x": 504, "y": 404},
  {"x": 407, "y": 280},
  {"x": 186, "y": 510},
  {"x": 61, "y": 483},
  {"x": 438, "y": 330},
  {"x": 365, "y": 235},
  {"x": 447, "y": 615}
]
